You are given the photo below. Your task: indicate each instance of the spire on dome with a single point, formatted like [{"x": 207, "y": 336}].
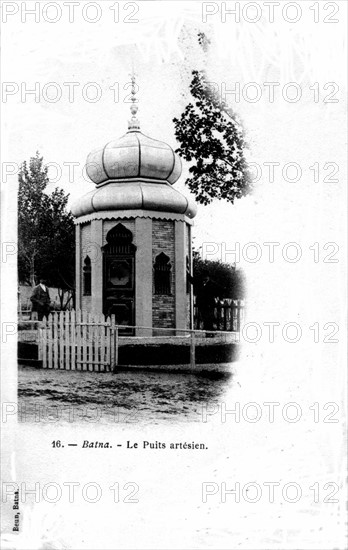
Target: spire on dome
[{"x": 134, "y": 123}]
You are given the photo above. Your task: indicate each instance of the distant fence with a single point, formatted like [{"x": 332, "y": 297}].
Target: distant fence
[
  {"x": 227, "y": 315},
  {"x": 78, "y": 340}
]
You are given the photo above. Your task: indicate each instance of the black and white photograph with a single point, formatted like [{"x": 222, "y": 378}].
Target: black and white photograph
[{"x": 173, "y": 275}]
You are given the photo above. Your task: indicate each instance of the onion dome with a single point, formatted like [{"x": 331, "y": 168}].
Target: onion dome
[
  {"x": 134, "y": 172},
  {"x": 134, "y": 155}
]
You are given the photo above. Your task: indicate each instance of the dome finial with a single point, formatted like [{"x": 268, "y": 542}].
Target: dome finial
[{"x": 134, "y": 123}]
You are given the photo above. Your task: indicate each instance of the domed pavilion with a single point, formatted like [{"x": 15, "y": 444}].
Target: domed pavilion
[{"x": 133, "y": 234}]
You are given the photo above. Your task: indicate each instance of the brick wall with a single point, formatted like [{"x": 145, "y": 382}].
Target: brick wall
[{"x": 163, "y": 240}]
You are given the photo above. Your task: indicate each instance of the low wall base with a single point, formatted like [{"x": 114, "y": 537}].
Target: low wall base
[{"x": 152, "y": 355}]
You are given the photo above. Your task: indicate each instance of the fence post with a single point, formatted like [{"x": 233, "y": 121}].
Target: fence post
[
  {"x": 116, "y": 345},
  {"x": 225, "y": 310},
  {"x": 49, "y": 324},
  {"x": 238, "y": 315},
  {"x": 19, "y": 304},
  {"x": 192, "y": 350},
  {"x": 112, "y": 341},
  {"x": 44, "y": 345},
  {"x": 40, "y": 344}
]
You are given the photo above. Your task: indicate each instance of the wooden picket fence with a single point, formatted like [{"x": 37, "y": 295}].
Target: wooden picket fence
[{"x": 78, "y": 340}]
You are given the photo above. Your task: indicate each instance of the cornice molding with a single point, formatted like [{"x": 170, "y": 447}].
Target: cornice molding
[{"x": 132, "y": 214}]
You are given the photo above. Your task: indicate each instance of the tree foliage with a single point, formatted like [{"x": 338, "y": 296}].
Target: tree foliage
[
  {"x": 212, "y": 137},
  {"x": 46, "y": 243},
  {"x": 226, "y": 276}
]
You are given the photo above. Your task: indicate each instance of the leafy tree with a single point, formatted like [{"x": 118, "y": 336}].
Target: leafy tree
[
  {"x": 212, "y": 137},
  {"x": 230, "y": 279},
  {"x": 46, "y": 245}
]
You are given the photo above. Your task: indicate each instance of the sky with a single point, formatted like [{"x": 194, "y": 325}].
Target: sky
[{"x": 85, "y": 59}]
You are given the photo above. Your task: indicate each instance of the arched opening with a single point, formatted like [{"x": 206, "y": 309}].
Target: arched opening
[
  {"x": 119, "y": 276},
  {"x": 162, "y": 272},
  {"x": 87, "y": 276}
]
